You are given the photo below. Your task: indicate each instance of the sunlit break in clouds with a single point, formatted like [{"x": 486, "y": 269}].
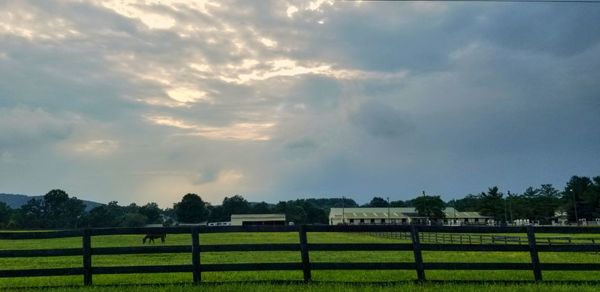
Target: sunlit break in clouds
[{"x": 140, "y": 101}]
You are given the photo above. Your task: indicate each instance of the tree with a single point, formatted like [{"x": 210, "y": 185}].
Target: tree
[
  {"x": 492, "y": 204},
  {"x": 235, "y": 205},
  {"x": 327, "y": 203},
  {"x": 469, "y": 203},
  {"x": 378, "y": 202},
  {"x": 544, "y": 204},
  {"x": 74, "y": 213},
  {"x": 60, "y": 211},
  {"x": 110, "y": 215},
  {"x": 31, "y": 215},
  {"x": 261, "y": 208},
  {"x": 152, "y": 213},
  {"x": 296, "y": 214},
  {"x": 5, "y": 214},
  {"x": 399, "y": 204},
  {"x": 217, "y": 214},
  {"x": 191, "y": 209},
  {"x": 582, "y": 194},
  {"x": 54, "y": 208},
  {"x": 429, "y": 206},
  {"x": 313, "y": 213},
  {"x": 134, "y": 220}
]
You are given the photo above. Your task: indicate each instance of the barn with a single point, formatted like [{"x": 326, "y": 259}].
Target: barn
[
  {"x": 257, "y": 219},
  {"x": 357, "y": 216}
]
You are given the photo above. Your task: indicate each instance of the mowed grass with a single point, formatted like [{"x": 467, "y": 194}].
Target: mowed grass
[{"x": 287, "y": 280}]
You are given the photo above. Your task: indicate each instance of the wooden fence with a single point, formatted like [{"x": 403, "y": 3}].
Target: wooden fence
[
  {"x": 303, "y": 247},
  {"x": 466, "y": 238}
]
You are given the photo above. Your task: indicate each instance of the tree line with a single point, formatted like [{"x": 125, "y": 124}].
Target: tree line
[{"x": 579, "y": 199}]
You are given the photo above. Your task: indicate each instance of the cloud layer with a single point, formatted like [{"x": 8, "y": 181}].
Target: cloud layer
[{"x": 148, "y": 100}]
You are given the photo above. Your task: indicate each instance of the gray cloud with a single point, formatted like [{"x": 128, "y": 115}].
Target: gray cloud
[
  {"x": 382, "y": 121},
  {"x": 22, "y": 126},
  {"x": 355, "y": 99}
]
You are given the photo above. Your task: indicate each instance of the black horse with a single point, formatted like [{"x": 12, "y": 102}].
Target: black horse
[{"x": 152, "y": 236}]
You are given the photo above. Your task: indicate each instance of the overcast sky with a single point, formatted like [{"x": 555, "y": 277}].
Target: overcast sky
[{"x": 139, "y": 101}]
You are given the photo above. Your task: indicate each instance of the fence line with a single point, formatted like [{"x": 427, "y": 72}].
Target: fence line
[
  {"x": 445, "y": 238},
  {"x": 420, "y": 237}
]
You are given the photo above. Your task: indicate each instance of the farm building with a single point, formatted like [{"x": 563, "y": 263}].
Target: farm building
[
  {"x": 257, "y": 219},
  {"x": 454, "y": 217},
  {"x": 400, "y": 216}
]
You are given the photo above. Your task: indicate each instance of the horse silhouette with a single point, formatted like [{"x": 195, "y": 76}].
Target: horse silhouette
[{"x": 151, "y": 236}]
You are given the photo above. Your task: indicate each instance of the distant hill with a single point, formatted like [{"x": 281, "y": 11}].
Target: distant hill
[{"x": 15, "y": 201}]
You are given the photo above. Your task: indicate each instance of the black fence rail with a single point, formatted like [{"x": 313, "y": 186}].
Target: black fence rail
[
  {"x": 416, "y": 245},
  {"x": 462, "y": 238}
]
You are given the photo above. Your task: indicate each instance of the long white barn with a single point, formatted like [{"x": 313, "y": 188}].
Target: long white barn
[{"x": 357, "y": 216}]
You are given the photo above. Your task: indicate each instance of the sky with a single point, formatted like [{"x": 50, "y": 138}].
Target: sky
[{"x": 140, "y": 101}]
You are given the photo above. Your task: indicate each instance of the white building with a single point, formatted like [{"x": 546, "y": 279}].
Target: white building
[
  {"x": 257, "y": 219},
  {"x": 357, "y": 216}
]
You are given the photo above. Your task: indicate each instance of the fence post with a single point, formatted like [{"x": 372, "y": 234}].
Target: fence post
[
  {"x": 417, "y": 252},
  {"x": 535, "y": 260},
  {"x": 304, "y": 253},
  {"x": 87, "y": 257},
  {"x": 196, "y": 255}
]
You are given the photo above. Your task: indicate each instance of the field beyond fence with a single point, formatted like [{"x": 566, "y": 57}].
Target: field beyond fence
[{"x": 411, "y": 238}]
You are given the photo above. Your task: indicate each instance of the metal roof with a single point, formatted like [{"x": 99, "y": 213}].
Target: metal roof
[
  {"x": 258, "y": 216},
  {"x": 404, "y": 212}
]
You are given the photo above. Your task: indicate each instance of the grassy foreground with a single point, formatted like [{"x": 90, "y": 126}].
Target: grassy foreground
[
  {"x": 330, "y": 287},
  {"x": 289, "y": 280}
]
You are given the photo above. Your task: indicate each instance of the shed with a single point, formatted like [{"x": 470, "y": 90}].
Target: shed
[{"x": 257, "y": 219}]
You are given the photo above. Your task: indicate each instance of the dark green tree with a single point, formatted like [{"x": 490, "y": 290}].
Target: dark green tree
[
  {"x": 378, "y": 202},
  {"x": 217, "y": 214},
  {"x": 580, "y": 193},
  {"x": 133, "y": 220},
  {"x": 191, "y": 209},
  {"x": 399, "y": 204},
  {"x": 328, "y": 203},
  {"x": 54, "y": 206},
  {"x": 109, "y": 215},
  {"x": 469, "y": 203},
  {"x": 152, "y": 213},
  {"x": 261, "y": 208},
  {"x": 492, "y": 204},
  {"x": 31, "y": 215},
  {"x": 235, "y": 205},
  {"x": 544, "y": 205},
  {"x": 313, "y": 213},
  {"x": 60, "y": 211},
  {"x": 296, "y": 214},
  {"x": 431, "y": 207},
  {"x": 5, "y": 214}
]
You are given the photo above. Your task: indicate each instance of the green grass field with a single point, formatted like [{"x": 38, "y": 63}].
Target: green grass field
[{"x": 289, "y": 280}]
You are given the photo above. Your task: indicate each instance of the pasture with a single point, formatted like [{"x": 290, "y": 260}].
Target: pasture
[{"x": 323, "y": 280}]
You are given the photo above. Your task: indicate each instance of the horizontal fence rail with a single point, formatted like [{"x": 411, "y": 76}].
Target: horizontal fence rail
[{"x": 419, "y": 238}]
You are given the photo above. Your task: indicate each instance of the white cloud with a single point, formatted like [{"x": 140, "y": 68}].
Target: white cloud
[
  {"x": 25, "y": 22},
  {"x": 98, "y": 147},
  {"x": 268, "y": 43},
  {"x": 291, "y": 10},
  {"x": 187, "y": 95},
  {"x": 236, "y": 131}
]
